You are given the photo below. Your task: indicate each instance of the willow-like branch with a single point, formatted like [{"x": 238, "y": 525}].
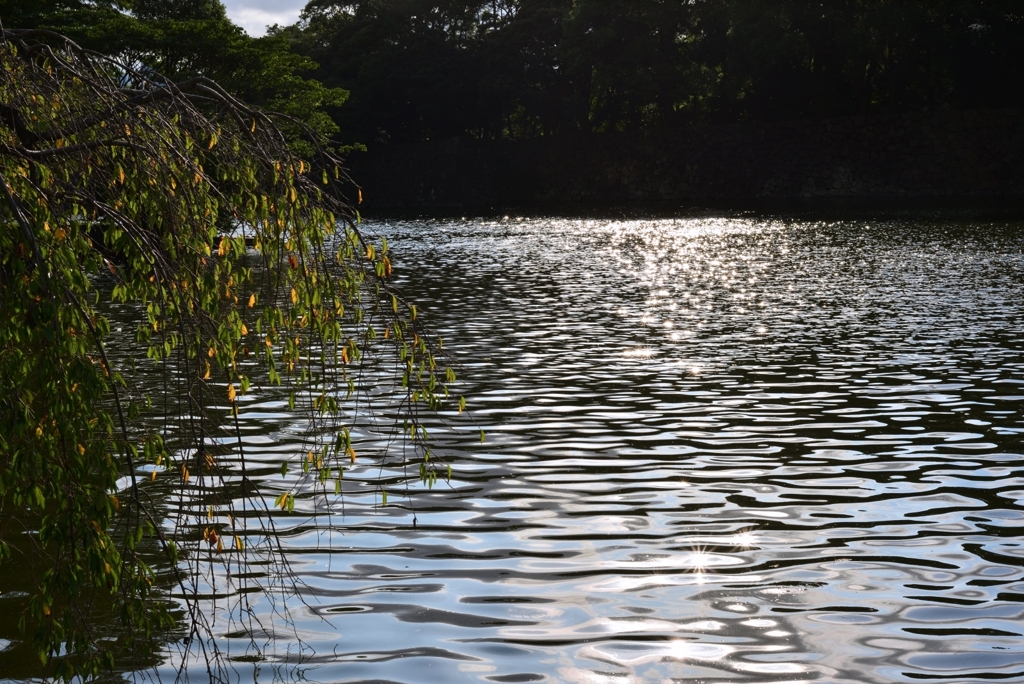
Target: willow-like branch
[{"x": 194, "y": 213}]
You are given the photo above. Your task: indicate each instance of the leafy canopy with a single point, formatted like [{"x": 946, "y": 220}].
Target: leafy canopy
[
  {"x": 184, "y": 38},
  {"x": 428, "y": 69}
]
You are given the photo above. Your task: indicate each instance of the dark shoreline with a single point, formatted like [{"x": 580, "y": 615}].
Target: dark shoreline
[
  {"x": 908, "y": 160},
  {"x": 988, "y": 209}
]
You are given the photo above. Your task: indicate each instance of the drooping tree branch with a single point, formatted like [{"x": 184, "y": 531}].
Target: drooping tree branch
[{"x": 193, "y": 210}]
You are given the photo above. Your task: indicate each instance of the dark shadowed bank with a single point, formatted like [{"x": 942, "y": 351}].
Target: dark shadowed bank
[{"x": 952, "y": 154}]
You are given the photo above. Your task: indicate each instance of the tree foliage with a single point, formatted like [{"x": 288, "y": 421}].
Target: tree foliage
[
  {"x": 240, "y": 260},
  {"x": 184, "y": 38},
  {"x": 423, "y": 69}
]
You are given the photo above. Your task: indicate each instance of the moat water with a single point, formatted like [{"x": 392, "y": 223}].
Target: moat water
[{"x": 740, "y": 449}]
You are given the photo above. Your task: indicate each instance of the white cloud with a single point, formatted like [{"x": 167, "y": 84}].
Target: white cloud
[{"x": 255, "y": 15}]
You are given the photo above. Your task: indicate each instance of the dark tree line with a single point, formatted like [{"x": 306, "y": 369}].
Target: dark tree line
[
  {"x": 422, "y": 69},
  {"x": 427, "y": 69}
]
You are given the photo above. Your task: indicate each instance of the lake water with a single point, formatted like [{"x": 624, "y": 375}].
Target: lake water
[{"x": 718, "y": 450}]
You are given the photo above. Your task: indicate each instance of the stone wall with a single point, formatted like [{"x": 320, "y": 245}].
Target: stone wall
[{"x": 945, "y": 154}]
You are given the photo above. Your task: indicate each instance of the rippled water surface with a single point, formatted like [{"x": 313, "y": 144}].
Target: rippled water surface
[{"x": 719, "y": 450}]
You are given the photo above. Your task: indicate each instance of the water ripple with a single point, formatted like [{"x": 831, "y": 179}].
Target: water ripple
[{"x": 720, "y": 449}]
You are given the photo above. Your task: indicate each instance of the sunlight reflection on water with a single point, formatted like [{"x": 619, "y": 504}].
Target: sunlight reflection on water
[{"x": 719, "y": 449}]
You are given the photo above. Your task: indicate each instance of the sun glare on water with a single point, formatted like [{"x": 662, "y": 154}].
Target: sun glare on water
[{"x": 638, "y": 353}]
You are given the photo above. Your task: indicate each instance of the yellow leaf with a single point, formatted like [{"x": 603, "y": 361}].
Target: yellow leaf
[
  {"x": 344, "y": 355},
  {"x": 222, "y": 249},
  {"x": 81, "y": 450},
  {"x": 252, "y": 129},
  {"x": 213, "y": 141},
  {"x": 245, "y": 330},
  {"x": 360, "y": 194},
  {"x": 152, "y": 477},
  {"x": 206, "y": 375},
  {"x": 231, "y": 392},
  {"x": 239, "y": 544},
  {"x": 252, "y": 300},
  {"x": 295, "y": 296},
  {"x": 352, "y": 454},
  {"x": 46, "y": 609},
  {"x": 60, "y": 234},
  {"x": 211, "y": 352}
]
